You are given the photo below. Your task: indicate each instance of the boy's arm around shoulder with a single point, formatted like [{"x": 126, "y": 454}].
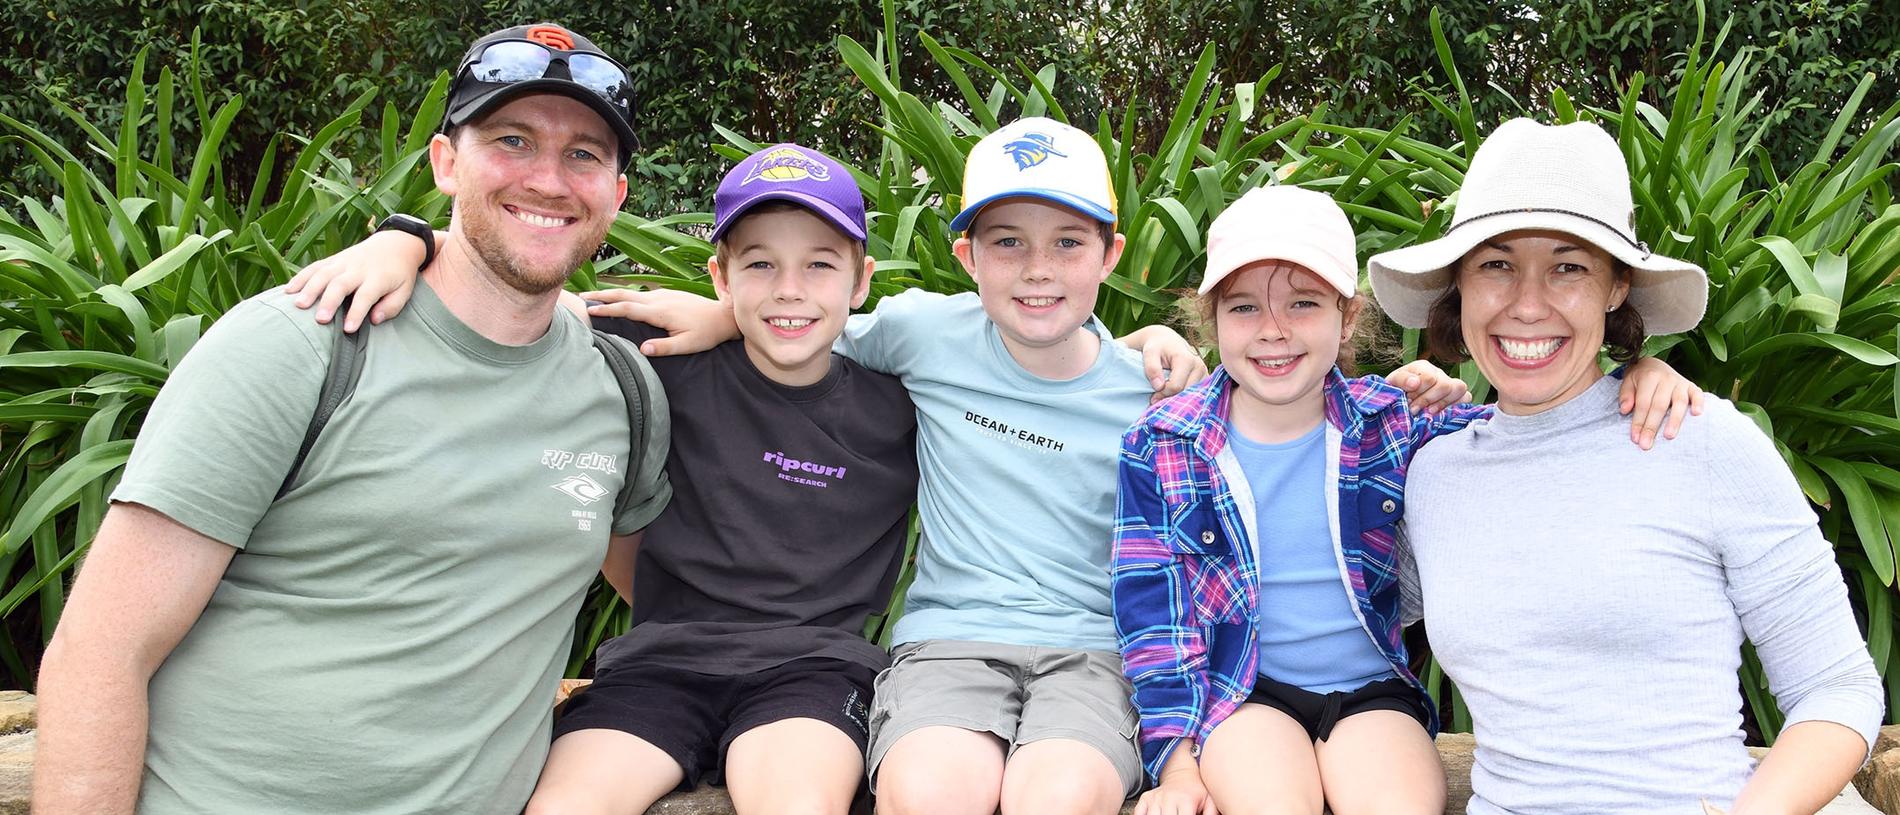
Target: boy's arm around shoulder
[{"x": 1164, "y": 657}]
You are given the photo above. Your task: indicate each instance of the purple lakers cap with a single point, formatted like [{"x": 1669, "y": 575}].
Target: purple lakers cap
[{"x": 788, "y": 172}]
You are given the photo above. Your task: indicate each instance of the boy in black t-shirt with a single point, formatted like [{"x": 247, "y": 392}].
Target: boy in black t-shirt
[
  {"x": 794, "y": 471},
  {"x": 793, "y": 474}
]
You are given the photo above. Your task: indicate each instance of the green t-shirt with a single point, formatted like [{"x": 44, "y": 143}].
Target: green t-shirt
[{"x": 388, "y": 637}]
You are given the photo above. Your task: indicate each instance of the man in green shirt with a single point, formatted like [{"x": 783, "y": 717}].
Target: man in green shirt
[{"x": 385, "y": 635}]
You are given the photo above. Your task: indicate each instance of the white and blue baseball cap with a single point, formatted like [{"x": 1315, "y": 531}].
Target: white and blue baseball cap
[{"x": 1042, "y": 158}]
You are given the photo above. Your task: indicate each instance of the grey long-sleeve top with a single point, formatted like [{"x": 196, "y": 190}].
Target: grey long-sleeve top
[{"x": 1590, "y": 600}]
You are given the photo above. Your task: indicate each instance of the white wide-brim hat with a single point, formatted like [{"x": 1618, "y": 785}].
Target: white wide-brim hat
[{"x": 1567, "y": 178}]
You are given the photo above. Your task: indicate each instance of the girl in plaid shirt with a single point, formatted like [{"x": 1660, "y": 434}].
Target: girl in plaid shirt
[{"x": 1264, "y": 647}]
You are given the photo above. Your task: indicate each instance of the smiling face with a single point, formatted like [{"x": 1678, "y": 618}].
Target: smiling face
[
  {"x": 1038, "y": 266},
  {"x": 1279, "y": 328},
  {"x": 790, "y": 279},
  {"x": 535, "y": 188},
  {"x": 1532, "y": 311}
]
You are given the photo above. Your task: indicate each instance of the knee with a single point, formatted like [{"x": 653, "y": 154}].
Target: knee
[
  {"x": 1279, "y": 805},
  {"x": 1392, "y": 805},
  {"x": 932, "y": 793},
  {"x": 810, "y": 804},
  {"x": 1066, "y": 795}
]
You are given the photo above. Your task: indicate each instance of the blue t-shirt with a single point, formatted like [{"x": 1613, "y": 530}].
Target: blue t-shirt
[
  {"x": 1308, "y": 633},
  {"x": 1017, "y": 475}
]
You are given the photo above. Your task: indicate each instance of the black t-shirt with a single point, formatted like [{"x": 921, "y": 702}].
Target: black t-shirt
[{"x": 786, "y": 529}]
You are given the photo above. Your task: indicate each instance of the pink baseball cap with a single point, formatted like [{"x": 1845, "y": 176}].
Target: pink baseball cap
[{"x": 1284, "y": 223}]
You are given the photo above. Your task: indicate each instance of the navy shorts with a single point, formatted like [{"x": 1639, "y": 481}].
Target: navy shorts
[
  {"x": 1318, "y": 712},
  {"x": 694, "y": 717}
]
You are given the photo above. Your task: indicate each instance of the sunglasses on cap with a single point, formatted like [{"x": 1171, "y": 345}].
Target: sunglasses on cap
[{"x": 509, "y": 61}]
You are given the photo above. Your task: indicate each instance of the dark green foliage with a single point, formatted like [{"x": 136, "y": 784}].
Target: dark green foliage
[{"x": 765, "y": 67}]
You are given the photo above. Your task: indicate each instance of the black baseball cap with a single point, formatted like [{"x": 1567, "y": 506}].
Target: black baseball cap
[{"x": 569, "y": 64}]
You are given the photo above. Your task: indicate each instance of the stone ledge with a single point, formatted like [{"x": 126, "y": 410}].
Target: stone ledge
[{"x": 1875, "y": 790}]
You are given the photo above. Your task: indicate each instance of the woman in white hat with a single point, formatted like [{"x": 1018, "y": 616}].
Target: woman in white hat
[{"x": 1588, "y": 598}]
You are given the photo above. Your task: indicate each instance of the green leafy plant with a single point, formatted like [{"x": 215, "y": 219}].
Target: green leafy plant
[{"x": 107, "y": 286}]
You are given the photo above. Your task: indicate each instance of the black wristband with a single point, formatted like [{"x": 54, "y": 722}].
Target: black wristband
[{"x": 414, "y": 226}]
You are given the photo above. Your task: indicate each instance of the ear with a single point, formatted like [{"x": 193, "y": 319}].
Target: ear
[
  {"x": 966, "y": 254},
  {"x": 863, "y": 289},
  {"x": 620, "y": 193},
  {"x": 1619, "y": 291},
  {"x": 718, "y": 280},
  {"x": 1355, "y": 307},
  {"x": 1112, "y": 256},
  {"x": 442, "y": 164}
]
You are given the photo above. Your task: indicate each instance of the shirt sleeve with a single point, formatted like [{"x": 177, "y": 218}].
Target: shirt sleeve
[
  {"x": 1785, "y": 583},
  {"x": 1164, "y": 657},
  {"x": 220, "y": 437},
  {"x": 882, "y": 339},
  {"x": 651, "y": 488},
  {"x": 1450, "y": 420}
]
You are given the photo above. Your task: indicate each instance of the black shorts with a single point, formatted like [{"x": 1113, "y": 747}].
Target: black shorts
[
  {"x": 1318, "y": 712},
  {"x": 693, "y": 717}
]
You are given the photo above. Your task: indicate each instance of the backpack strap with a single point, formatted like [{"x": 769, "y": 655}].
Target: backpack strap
[
  {"x": 346, "y": 365},
  {"x": 633, "y": 386}
]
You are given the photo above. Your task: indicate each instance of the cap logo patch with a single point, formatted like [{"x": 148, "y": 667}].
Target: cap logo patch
[
  {"x": 551, "y": 37},
  {"x": 786, "y": 164},
  {"x": 1032, "y": 149}
]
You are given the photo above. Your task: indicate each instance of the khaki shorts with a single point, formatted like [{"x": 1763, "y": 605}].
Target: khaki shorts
[{"x": 1020, "y": 693}]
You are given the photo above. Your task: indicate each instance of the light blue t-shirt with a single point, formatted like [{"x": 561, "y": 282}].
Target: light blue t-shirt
[
  {"x": 1308, "y": 633},
  {"x": 1017, "y": 475}
]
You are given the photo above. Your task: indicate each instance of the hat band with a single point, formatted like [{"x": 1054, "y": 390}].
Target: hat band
[{"x": 1636, "y": 244}]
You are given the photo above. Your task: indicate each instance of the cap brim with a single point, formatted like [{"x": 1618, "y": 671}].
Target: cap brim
[
  {"x": 1669, "y": 293},
  {"x": 1344, "y": 280},
  {"x": 961, "y": 223},
  {"x": 495, "y": 95},
  {"x": 825, "y": 209}
]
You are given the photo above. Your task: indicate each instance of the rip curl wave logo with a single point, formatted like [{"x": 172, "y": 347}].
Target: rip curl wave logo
[
  {"x": 786, "y": 164},
  {"x": 582, "y": 487},
  {"x": 1032, "y": 149}
]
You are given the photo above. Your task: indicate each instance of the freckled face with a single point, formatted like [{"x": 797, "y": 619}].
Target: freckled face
[
  {"x": 1038, "y": 267},
  {"x": 1532, "y": 310}
]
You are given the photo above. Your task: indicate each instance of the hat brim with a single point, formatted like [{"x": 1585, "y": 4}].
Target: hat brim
[
  {"x": 961, "y": 223},
  {"x": 825, "y": 209},
  {"x": 1322, "y": 263},
  {"x": 1669, "y": 293},
  {"x": 494, "y": 95}
]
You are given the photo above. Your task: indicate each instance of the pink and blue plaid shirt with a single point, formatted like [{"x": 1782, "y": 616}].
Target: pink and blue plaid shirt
[{"x": 1185, "y": 583}]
